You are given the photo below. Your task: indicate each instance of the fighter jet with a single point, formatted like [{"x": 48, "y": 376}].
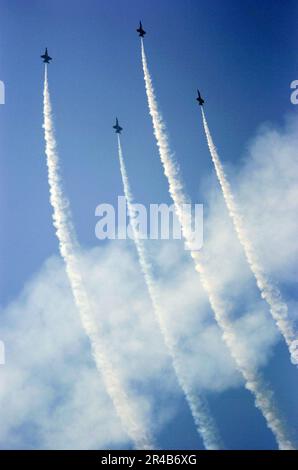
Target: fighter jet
[
  {"x": 200, "y": 99},
  {"x": 141, "y": 31},
  {"x": 117, "y": 128},
  {"x": 46, "y": 58}
]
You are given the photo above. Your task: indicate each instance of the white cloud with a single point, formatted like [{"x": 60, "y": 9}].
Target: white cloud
[
  {"x": 269, "y": 195},
  {"x": 50, "y": 393}
]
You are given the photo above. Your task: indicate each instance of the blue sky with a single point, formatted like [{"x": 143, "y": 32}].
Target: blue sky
[{"x": 242, "y": 57}]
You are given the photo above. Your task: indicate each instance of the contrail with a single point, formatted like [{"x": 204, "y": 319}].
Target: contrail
[
  {"x": 204, "y": 422},
  {"x": 253, "y": 382},
  {"x": 270, "y": 293},
  {"x": 69, "y": 251}
]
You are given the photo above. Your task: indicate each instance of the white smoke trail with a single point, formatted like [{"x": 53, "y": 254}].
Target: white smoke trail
[
  {"x": 270, "y": 293},
  {"x": 199, "y": 409},
  {"x": 253, "y": 382},
  {"x": 69, "y": 251}
]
